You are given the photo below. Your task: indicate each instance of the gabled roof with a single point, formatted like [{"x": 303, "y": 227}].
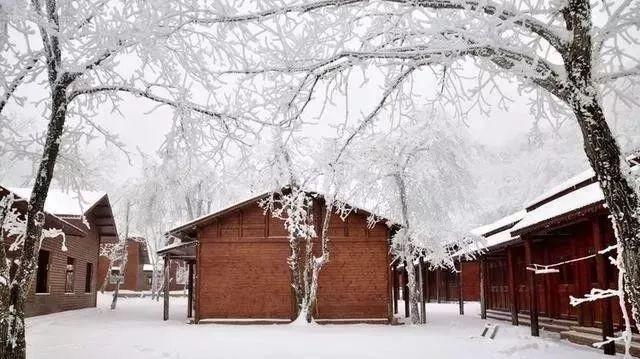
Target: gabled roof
[
  {"x": 70, "y": 207},
  {"x": 208, "y": 217},
  {"x": 50, "y": 219},
  {"x": 63, "y": 203},
  {"x": 193, "y": 224}
]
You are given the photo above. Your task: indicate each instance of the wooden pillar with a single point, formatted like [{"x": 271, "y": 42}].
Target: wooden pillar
[
  {"x": 548, "y": 291},
  {"x": 460, "y": 291},
  {"x": 603, "y": 282},
  {"x": 396, "y": 288},
  {"x": 190, "y": 291},
  {"x": 438, "y": 285},
  {"x": 405, "y": 291},
  {"x": 165, "y": 312},
  {"x": 427, "y": 290},
  {"x": 512, "y": 286},
  {"x": 533, "y": 292},
  {"x": 483, "y": 291},
  {"x": 423, "y": 306}
]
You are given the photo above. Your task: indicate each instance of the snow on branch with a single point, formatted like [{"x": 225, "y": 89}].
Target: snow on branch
[{"x": 593, "y": 295}]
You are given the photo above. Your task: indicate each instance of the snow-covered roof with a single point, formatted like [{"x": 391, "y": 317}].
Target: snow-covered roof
[
  {"x": 64, "y": 203},
  {"x": 575, "y": 200},
  {"x": 147, "y": 268},
  {"x": 498, "y": 238},
  {"x": 573, "y": 181},
  {"x": 504, "y": 221}
]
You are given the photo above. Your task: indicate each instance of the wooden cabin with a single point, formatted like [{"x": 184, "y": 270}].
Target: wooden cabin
[
  {"x": 138, "y": 271},
  {"x": 239, "y": 258},
  {"x": 563, "y": 229},
  {"x": 67, "y": 280}
]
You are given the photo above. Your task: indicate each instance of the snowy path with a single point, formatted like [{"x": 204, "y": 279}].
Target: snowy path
[{"x": 135, "y": 330}]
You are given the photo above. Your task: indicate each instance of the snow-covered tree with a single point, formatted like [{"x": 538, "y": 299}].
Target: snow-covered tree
[
  {"x": 417, "y": 174},
  {"x": 571, "y": 56},
  {"x": 79, "y": 55}
]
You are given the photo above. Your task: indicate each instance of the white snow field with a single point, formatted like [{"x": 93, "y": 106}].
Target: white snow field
[{"x": 135, "y": 330}]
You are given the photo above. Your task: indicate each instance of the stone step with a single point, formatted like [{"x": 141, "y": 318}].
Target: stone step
[{"x": 585, "y": 338}]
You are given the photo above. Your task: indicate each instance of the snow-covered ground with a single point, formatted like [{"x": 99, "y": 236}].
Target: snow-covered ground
[{"x": 136, "y": 330}]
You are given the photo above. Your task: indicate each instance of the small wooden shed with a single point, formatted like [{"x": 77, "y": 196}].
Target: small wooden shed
[{"x": 239, "y": 258}]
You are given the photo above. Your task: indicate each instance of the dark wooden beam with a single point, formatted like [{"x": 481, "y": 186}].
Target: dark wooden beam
[
  {"x": 427, "y": 290},
  {"x": 511, "y": 267},
  {"x": 533, "y": 292},
  {"x": 396, "y": 288},
  {"x": 390, "y": 285},
  {"x": 190, "y": 291},
  {"x": 165, "y": 303},
  {"x": 460, "y": 291},
  {"x": 423, "y": 306},
  {"x": 483, "y": 290},
  {"x": 438, "y": 280},
  {"x": 603, "y": 282},
  {"x": 405, "y": 291}
]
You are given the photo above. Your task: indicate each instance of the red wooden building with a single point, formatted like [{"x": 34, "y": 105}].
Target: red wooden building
[
  {"x": 439, "y": 285},
  {"x": 564, "y": 228},
  {"x": 239, "y": 258},
  {"x": 67, "y": 279},
  {"x": 138, "y": 271}
]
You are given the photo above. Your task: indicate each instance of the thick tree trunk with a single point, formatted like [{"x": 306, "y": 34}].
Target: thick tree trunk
[
  {"x": 600, "y": 146},
  {"x": 414, "y": 297},
  {"x": 296, "y": 275},
  {"x": 14, "y": 344},
  {"x": 605, "y": 159}
]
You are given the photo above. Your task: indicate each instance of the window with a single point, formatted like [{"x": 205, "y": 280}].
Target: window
[
  {"x": 88, "y": 278},
  {"x": 42, "y": 274},
  {"x": 69, "y": 278}
]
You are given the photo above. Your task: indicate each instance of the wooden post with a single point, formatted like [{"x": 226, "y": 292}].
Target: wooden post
[
  {"x": 396, "y": 288},
  {"x": 165, "y": 315},
  {"x": 512, "y": 286},
  {"x": 533, "y": 292},
  {"x": 405, "y": 291},
  {"x": 603, "y": 282},
  {"x": 460, "y": 291},
  {"x": 427, "y": 290},
  {"x": 190, "y": 291},
  {"x": 438, "y": 285},
  {"x": 483, "y": 294},
  {"x": 423, "y": 306}
]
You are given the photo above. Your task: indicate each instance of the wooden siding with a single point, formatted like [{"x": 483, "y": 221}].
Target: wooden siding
[
  {"x": 243, "y": 273},
  {"x": 84, "y": 249},
  {"x": 554, "y": 289}
]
